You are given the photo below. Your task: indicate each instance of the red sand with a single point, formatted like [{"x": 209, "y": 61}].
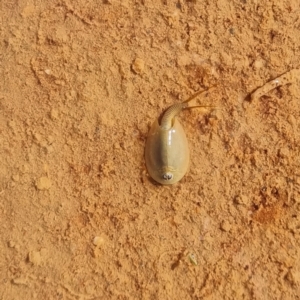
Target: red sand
[{"x": 81, "y": 83}]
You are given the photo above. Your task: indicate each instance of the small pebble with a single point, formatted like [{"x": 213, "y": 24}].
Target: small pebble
[
  {"x": 284, "y": 152},
  {"x": 35, "y": 257},
  {"x": 43, "y": 183},
  {"x": 98, "y": 241},
  {"x": 117, "y": 145},
  {"x": 138, "y": 66},
  {"x": 259, "y": 63},
  {"x": 53, "y": 114},
  {"x": 225, "y": 226},
  {"x": 242, "y": 199}
]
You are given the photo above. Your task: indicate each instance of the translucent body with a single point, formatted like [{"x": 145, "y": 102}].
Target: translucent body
[{"x": 167, "y": 152}]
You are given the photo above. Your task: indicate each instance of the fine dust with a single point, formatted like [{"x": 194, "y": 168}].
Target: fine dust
[{"x": 82, "y": 81}]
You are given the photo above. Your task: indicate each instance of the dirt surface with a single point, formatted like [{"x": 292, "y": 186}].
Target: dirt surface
[{"x": 82, "y": 81}]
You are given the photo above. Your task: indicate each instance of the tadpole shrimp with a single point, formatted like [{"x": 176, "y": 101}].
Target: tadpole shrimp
[{"x": 167, "y": 152}]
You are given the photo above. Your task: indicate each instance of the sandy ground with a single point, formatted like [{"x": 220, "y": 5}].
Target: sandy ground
[{"x": 81, "y": 82}]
